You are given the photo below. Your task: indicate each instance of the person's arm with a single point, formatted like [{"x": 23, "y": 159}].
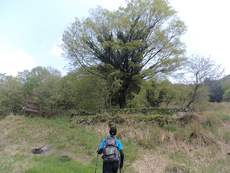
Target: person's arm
[
  {"x": 122, "y": 158},
  {"x": 120, "y": 148},
  {"x": 100, "y": 150}
]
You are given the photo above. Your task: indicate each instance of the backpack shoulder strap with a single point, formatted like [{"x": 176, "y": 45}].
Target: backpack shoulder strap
[
  {"x": 106, "y": 138},
  {"x": 116, "y": 142},
  {"x": 105, "y": 144}
]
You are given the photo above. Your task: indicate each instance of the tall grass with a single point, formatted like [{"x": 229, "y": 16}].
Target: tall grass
[{"x": 196, "y": 142}]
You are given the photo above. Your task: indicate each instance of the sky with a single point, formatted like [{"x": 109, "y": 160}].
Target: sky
[{"x": 31, "y": 30}]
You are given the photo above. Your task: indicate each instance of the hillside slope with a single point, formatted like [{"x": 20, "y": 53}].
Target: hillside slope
[{"x": 196, "y": 142}]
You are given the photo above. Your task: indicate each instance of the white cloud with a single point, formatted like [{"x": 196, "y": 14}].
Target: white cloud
[
  {"x": 13, "y": 62},
  {"x": 57, "y": 50}
]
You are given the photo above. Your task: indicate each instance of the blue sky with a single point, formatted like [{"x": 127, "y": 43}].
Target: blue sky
[{"x": 30, "y": 30}]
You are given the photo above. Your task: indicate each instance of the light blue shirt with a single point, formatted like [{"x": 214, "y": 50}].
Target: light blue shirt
[{"x": 118, "y": 144}]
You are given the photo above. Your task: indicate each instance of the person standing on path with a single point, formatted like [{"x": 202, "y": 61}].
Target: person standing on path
[{"x": 110, "y": 147}]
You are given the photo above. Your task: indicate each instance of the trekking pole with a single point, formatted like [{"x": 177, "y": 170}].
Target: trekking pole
[{"x": 96, "y": 163}]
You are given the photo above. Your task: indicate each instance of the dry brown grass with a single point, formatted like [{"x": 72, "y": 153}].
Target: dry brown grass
[
  {"x": 15, "y": 145},
  {"x": 189, "y": 148},
  {"x": 201, "y": 150},
  {"x": 101, "y": 128},
  {"x": 150, "y": 162}
]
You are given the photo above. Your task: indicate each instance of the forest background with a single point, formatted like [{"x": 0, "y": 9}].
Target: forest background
[
  {"x": 80, "y": 90},
  {"x": 133, "y": 59}
]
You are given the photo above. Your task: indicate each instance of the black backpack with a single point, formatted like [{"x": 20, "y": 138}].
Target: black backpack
[{"x": 110, "y": 151}]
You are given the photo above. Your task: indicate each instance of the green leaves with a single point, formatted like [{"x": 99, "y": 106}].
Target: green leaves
[{"x": 143, "y": 35}]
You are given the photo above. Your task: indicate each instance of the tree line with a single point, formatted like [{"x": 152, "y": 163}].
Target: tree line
[
  {"x": 81, "y": 90},
  {"x": 122, "y": 59}
]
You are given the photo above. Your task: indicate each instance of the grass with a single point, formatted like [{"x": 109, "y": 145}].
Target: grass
[
  {"x": 196, "y": 142},
  {"x": 54, "y": 164}
]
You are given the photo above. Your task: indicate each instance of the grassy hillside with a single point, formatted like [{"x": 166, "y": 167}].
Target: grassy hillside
[{"x": 196, "y": 142}]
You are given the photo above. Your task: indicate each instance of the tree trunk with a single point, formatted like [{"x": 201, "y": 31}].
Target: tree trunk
[
  {"x": 193, "y": 95},
  {"x": 122, "y": 101},
  {"x": 167, "y": 103},
  {"x": 187, "y": 106},
  {"x": 106, "y": 106},
  {"x": 110, "y": 102}
]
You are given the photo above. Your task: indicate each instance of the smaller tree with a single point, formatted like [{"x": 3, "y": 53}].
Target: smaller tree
[
  {"x": 226, "y": 95},
  {"x": 182, "y": 97},
  {"x": 171, "y": 93},
  {"x": 10, "y": 94},
  {"x": 155, "y": 93},
  {"x": 216, "y": 90},
  {"x": 201, "y": 68}
]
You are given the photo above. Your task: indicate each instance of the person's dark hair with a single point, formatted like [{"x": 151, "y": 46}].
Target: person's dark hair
[{"x": 113, "y": 131}]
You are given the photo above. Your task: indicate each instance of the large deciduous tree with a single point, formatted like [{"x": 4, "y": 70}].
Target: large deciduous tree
[{"x": 127, "y": 45}]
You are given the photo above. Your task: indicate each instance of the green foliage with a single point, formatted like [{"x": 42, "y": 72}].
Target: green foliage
[
  {"x": 83, "y": 91},
  {"x": 156, "y": 93},
  {"x": 133, "y": 42},
  {"x": 210, "y": 121},
  {"x": 219, "y": 89},
  {"x": 170, "y": 127},
  {"x": 216, "y": 91},
  {"x": 47, "y": 93},
  {"x": 31, "y": 83},
  {"x": 155, "y": 96},
  {"x": 10, "y": 94},
  {"x": 181, "y": 91},
  {"x": 131, "y": 151},
  {"x": 225, "y": 117},
  {"x": 226, "y": 95},
  {"x": 225, "y": 82},
  {"x": 39, "y": 86}
]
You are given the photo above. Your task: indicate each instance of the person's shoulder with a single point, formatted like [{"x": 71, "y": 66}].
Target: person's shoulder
[{"x": 118, "y": 140}]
